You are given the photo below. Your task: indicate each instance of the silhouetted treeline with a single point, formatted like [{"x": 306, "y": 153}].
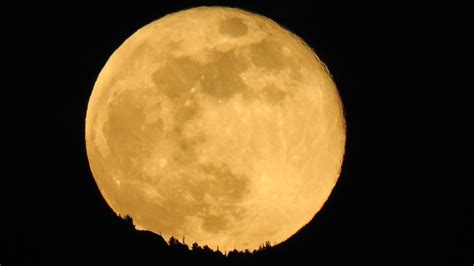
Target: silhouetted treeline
[{"x": 143, "y": 247}]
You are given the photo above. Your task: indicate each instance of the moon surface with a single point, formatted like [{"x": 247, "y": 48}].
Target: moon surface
[{"x": 218, "y": 125}]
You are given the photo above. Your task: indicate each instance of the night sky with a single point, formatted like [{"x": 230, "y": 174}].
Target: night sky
[{"x": 403, "y": 192}]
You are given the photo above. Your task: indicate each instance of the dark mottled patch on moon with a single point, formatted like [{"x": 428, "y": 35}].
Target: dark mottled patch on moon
[
  {"x": 215, "y": 182},
  {"x": 186, "y": 113},
  {"x": 177, "y": 76},
  {"x": 126, "y": 124},
  {"x": 234, "y": 27},
  {"x": 268, "y": 54},
  {"x": 273, "y": 94},
  {"x": 221, "y": 78}
]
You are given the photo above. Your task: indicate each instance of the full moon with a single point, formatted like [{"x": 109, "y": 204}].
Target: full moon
[{"x": 218, "y": 125}]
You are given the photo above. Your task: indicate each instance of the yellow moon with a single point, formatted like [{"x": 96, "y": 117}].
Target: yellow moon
[{"x": 218, "y": 125}]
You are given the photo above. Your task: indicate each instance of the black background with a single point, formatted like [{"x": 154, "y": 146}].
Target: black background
[{"x": 403, "y": 195}]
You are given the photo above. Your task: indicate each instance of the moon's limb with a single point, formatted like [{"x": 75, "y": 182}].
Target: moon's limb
[{"x": 216, "y": 124}]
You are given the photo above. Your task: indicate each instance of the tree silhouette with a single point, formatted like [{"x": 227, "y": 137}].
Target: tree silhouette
[
  {"x": 128, "y": 220},
  {"x": 146, "y": 248},
  {"x": 196, "y": 247}
]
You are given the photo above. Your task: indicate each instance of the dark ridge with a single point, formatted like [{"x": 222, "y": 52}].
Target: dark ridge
[{"x": 136, "y": 247}]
